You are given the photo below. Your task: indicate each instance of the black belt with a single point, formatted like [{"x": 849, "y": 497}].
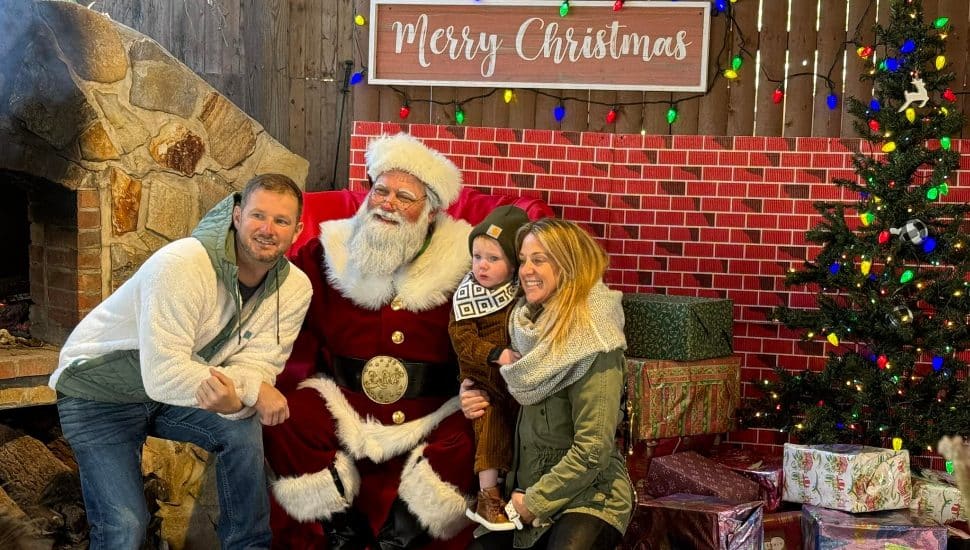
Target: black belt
[{"x": 424, "y": 379}]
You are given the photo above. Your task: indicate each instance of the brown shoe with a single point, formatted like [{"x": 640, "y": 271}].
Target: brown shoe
[{"x": 490, "y": 511}]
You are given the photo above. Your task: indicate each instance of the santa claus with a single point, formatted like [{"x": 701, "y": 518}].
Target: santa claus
[{"x": 376, "y": 452}]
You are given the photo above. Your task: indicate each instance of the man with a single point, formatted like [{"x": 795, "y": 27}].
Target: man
[
  {"x": 376, "y": 451},
  {"x": 188, "y": 349}
]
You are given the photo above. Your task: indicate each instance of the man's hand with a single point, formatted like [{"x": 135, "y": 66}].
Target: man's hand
[
  {"x": 217, "y": 393},
  {"x": 271, "y": 406},
  {"x": 473, "y": 402}
]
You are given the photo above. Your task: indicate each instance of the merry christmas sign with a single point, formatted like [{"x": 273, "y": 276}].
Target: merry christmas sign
[{"x": 651, "y": 46}]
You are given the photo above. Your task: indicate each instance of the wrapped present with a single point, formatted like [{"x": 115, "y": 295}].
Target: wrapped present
[
  {"x": 678, "y": 328},
  {"x": 936, "y": 495},
  {"x": 847, "y": 477},
  {"x": 640, "y": 454},
  {"x": 693, "y": 474},
  {"x": 826, "y": 529},
  {"x": 677, "y": 398},
  {"x": 783, "y": 530},
  {"x": 766, "y": 470},
  {"x": 680, "y": 521}
]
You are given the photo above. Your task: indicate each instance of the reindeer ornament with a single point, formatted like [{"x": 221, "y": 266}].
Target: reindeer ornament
[{"x": 919, "y": 95}]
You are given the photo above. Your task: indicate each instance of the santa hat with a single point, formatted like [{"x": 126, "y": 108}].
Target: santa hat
[{"x": 407, "y": 154}]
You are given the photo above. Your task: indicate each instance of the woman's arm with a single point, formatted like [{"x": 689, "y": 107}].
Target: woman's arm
[{"x": 595, "y": 400}]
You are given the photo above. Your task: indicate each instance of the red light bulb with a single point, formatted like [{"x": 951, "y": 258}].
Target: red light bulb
[
  {"x": 777, "y": 96},
  {"x": 611, "y": 116},
  {"x": 404, "y": 112}
]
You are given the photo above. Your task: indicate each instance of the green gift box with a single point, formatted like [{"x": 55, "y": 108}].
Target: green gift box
[{"x": 678, "y": 328}]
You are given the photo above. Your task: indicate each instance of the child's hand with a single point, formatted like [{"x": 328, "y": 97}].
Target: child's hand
[{"x": 508, "y": 357}]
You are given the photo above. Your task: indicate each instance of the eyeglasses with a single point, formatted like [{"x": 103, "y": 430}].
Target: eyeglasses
[{"x": 400, "y": 201}]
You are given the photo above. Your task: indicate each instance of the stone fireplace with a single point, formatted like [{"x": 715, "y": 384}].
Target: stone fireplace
[{"x": 109, "y": 149}]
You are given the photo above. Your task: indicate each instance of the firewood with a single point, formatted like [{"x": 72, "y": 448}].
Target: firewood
[{"x": 27, "y": 468}]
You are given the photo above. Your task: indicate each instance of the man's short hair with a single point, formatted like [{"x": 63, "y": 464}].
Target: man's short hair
[{"x": 277, "y": 183}]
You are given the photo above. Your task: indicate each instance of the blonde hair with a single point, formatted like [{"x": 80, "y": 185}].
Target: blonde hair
[{"x": 579, "y": 263}]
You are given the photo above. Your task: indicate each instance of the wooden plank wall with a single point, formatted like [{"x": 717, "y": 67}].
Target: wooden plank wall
[
  {"x": 282, "y": 61},
  {"x": 782, "y": 48}
]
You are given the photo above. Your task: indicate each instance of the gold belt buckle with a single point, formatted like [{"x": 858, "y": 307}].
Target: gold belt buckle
[{"x": 384, "y": 379}]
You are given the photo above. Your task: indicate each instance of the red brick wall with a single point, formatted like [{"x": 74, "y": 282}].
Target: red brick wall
[{"x": 692, "y": 215}]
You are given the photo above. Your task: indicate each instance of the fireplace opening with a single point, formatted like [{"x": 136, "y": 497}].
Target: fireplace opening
[{"x": 14, "y": 269}]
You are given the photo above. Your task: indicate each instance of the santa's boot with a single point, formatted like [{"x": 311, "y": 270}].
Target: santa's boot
[
  {"x": 401, "y": 529},
  {"x": 490, "y": 510},
  {"x": 348, "y": 530}
]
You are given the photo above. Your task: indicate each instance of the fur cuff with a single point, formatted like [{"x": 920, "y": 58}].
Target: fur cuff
[
  {"x": 437, "y": 504},
  {"x": 312, "y": 497},
  {"x": 369, "y": 438}
]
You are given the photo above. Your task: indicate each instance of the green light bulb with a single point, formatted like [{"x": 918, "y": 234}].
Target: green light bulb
[
  {"x": 671, "y": 115},
  {"x": 941, "y": 22},
  {"x": 736, "y": 62},
  {"x": 907, "y": 276},
  {"x": 459, "y": 116},
  {"x": 564, "y": 8},
  {"x": 945, "y": 142}
]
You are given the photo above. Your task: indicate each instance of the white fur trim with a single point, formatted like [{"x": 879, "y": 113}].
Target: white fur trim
[
  {"x": 424, "y": 284},
  {"x": 408, "y": 154},
  {"x": 369, "y": 438},
  {"x": 438, "y": 505},
  {"x": 314, "y": 496}
]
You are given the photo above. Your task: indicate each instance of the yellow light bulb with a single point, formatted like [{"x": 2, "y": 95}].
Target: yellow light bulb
[
  {"x": 940, "y": 62},
  {"x": 507, "y": 95},
  {"x": 910, "y": 114}
]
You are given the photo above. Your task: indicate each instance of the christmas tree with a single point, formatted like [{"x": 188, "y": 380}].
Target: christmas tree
[{"x": 891, "y": 277}]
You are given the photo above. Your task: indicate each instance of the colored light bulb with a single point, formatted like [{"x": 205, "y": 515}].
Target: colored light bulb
[
  {"x": 882, "y": 361},
  {"x": 949, "y": 467},
  {"x": 459, "y": 115},
  {"x": 932, "y": 193},
  {"x": 720, "y": 6},
  {"x": 940, "y": 62},
  {"x": 834, "y": 268},
  {"x": 777, "y": 95},
  {"x": 907, "y": 276},
  {"x": 908, "y": 46},
  {"x": 897, "y": 443},
  {"x": 874, "y": 105},
  {"x": 730, "y": 74},
  {"x": 929, "y": 245},
  {"x": 618, "y": 5},
  {"x": 360, "y": 20},
  {"x": 949, "y": 95},
  {"x": 945, "y": 142},
  {"x": 941, "y": 22},
  {"x": 404, "y": 111},
  {"x": 866, "y": 218},
  {"x": 864, "y": 51},
  {"x": 507, "y": 95},
  {"x": 874, "y": 125},
  {"x": 611, "y": 116},
  {"x": 910, "y": 114},
  {"x": 889, "y": 147},
  {"x": 865, "y": 266},
  {"x": 559, "y": 112},
  {"x": 736, "y": 62},
  {"x": 883, "y": 237},
  {"x": 357, "y": 78},
  {"x": 937, "y": 362},
  {"x": 833, "y": 338},
  {"x": 671, "y": 115},
  {"x": 832, "y": 101},
  {"x": 564, "y": 8},
  {"x": 892, "y": 64}
]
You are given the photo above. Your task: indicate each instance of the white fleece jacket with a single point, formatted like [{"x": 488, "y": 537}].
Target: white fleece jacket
[{"x": 171, "y": 370}]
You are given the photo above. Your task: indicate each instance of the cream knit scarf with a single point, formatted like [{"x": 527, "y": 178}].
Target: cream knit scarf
[{"x": 541, "y": 372}]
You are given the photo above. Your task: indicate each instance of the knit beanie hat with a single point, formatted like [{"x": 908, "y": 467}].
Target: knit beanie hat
[
  {"x": 502, "y": 225},
  {"x": 408, "y": 154}
]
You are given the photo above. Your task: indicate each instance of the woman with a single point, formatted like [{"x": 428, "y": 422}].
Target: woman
[{"x": 568, "y": 485}]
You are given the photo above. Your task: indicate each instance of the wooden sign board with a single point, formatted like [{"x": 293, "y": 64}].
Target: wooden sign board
[{"x": 650, "y": 46}]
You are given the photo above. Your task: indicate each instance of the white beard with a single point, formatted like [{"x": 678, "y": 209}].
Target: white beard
[{"x": 379, "y": 248}]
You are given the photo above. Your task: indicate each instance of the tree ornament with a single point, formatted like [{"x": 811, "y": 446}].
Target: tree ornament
[
  {"x": 901, "y": 316},
  {"x": 912, "y": 232},
  {"x": 920, "y": 95}
]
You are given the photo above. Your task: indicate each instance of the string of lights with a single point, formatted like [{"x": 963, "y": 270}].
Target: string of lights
[{"x": 731, "y": 72}]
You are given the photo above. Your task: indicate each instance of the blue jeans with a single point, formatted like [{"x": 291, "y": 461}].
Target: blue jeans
[{"x": 107, "y": 439}]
